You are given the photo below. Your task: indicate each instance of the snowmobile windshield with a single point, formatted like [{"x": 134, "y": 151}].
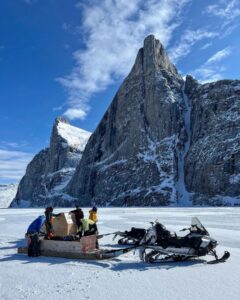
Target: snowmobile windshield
[{"x": 196, "y": 225}]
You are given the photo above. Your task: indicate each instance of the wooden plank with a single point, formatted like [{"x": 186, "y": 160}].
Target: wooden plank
[
  {"x": 78, "y": 249},
  {"x": 86, "y": 244},
  {"x": 60, "y": 246}
]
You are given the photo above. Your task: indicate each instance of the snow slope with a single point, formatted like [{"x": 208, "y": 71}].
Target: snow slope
[
  {"x": 183, "y": 195},
  {"x": 7, "y": 193},
  {"x": 125, "y": 277},
  {"x": 75, "y": 137}
]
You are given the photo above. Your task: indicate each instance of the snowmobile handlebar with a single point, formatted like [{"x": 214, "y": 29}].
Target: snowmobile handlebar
[
  {"x": 102, "y": 235},
  {"x": 184, "y": 229}
]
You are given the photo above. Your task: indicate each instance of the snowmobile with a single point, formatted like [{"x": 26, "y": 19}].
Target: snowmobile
[
  {"x": 132, "y": 237},
  {"x": 160, "y": 245}
]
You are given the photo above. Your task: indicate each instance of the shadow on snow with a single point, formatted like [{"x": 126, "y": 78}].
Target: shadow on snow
[{"x": 115, "y": 264}]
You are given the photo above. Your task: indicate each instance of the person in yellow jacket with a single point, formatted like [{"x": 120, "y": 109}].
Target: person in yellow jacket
[
  {"x": 93, "y": 214},
  {"x": 87, "y": 227}
]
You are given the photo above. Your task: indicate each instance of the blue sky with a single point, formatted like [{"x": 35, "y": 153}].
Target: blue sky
[{"x": 68, "y": 57}]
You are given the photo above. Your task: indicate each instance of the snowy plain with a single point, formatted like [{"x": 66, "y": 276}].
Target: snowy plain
[{"x": 124, "y": 277}]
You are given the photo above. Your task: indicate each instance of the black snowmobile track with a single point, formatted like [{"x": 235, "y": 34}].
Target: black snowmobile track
[{"x": 175, "y": 259}]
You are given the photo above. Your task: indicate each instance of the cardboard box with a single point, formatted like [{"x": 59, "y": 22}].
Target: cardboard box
[{"x": 64, "y": 225}]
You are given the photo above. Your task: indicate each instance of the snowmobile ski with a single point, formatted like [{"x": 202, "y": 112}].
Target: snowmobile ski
[{"x": 225, "y": 256}]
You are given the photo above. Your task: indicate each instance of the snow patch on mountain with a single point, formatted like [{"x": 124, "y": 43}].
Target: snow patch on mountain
[
  {"x": 75, "y": 137},
  {"x": 7, "y": 193},
  {"x": 183, "y": 194},
  {"x": 50, "y": 171}
]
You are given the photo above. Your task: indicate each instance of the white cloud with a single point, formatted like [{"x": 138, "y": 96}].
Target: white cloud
[
  {"x": 13, "y": 164},
  {"x": 5, "y": 145},
  {"x": 73, "y": 113},
  {"x": 219, "y": 55},
  {"x": 188, "y": 40},
  {"x": 113, "y": 31},
  {"x": 211, "y": 70},
  {"x": 226, "y": 10},
  {"x": 207, "y": 45}
]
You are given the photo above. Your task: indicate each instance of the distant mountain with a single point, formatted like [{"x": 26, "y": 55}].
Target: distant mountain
[
  {"x": 7, "y": 194},
  {"x": 51, "y": 169},
  {"x": 163, "y": 140}
]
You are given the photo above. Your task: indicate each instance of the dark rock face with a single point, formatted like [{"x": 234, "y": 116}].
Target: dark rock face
[
  {"x": 51, "y": 169},
  {"x": 162, "y": 141},
  {"x": 212, "y": 166},
  {"x": 130, "y": 159}
]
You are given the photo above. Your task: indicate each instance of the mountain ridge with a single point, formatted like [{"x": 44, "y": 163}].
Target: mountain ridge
[
  {"x": 50, "y": 170},
  {"x": 163, "y": 141}
]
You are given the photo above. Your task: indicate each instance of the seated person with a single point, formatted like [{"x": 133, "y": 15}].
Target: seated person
[
  {"x": 33, "y": 234},
  {"x": 88, "y": 227}
]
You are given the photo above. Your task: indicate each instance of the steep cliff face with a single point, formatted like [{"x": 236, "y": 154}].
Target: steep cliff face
[
  {"x": 212, "y": 166},
  {"x": 131, "y": 157},
  {"x": 162, "y": 141},
  {"x": 51, "y": 169}
]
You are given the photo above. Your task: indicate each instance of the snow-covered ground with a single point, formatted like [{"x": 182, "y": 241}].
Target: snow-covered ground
[{"x": 125, "y": 277}]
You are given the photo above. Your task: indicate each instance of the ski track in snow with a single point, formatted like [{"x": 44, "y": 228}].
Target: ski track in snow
[{"x": 124, "y": 277}]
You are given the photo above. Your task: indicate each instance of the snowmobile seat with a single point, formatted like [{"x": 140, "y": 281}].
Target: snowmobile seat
[{"x": 178, "y": 242}]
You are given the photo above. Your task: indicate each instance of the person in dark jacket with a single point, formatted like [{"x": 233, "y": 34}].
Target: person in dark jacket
[
  {"x": 49, "y": 221},
  {"x": 33, "y": 234},
  {"x": 78, "y": 213}
]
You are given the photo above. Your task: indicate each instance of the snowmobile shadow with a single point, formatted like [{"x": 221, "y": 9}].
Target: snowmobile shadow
[
  {"x": 141, "y": 266},
  {"x": 115, "y": 264},
  {"x": 16, "y": 244},
  {"x": 118, "y": 265}
]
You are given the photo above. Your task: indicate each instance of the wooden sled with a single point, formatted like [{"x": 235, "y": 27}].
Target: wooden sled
[{"x": 85, "y": 249}]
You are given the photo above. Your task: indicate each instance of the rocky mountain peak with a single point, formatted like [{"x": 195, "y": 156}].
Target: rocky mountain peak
[
  {"x": 130, "y": 153},
  {"x": 155, "y": 58},
  {"x": 52, "y": 168},
  {"x": 60, "y": 119}
]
